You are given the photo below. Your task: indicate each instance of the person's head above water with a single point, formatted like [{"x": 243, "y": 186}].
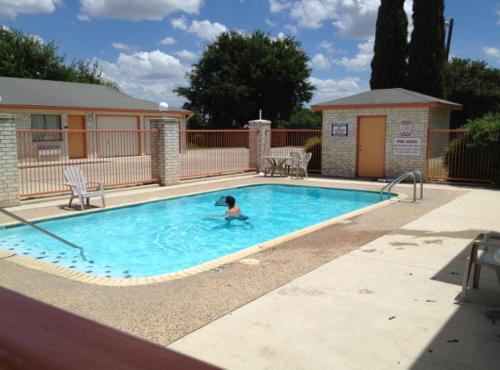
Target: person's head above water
[{"x": 230, "y": 201}]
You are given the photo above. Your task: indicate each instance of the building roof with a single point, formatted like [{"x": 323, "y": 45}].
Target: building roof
[
  {"x": 31, "y": 93},
  {"x": 397, "y": 98}
]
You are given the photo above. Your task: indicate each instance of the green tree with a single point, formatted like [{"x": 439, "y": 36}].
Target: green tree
[
  {"x": 391, "y": 46},
  {"x": 24, "y": 56},
  {"x": 305, "y": 118},
  {"x": 240, "y": 73},
  {"x": 473, "y": 84},
  {"x": 426, "y": 53}
]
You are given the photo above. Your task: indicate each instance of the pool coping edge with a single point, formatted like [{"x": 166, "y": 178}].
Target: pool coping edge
[{"x": 67, "y": 273}]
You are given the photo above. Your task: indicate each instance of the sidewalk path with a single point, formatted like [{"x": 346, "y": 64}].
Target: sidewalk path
[{"x": 388, "y": 305}]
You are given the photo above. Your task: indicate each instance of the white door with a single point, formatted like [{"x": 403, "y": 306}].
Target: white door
[{"x": 114, "y": 140}]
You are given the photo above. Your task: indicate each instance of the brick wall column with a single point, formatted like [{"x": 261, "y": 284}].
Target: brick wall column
[
  {"x": 9, "y": 177},
  {"x": 165, "y": 158},
  {"x": 260, "y": 142}
]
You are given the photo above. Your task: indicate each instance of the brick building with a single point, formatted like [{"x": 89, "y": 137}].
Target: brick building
[
  {"x": 57, "y": 105},
  {"x": 380, "y": 133}
]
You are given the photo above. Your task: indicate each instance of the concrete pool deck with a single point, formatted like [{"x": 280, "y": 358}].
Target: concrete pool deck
[
  {"x": 342, "y": 316},
  {"x": 390, "y": 304}
]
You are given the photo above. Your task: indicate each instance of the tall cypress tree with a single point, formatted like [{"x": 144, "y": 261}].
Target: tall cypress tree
[
  {"x": 391, "y": 46},
  {"x": 426, "y": 54}
]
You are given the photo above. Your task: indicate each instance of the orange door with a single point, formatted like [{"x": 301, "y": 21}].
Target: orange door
[
  {"x": 371, "y": 146},
  {"x": 77, "y": 143}
]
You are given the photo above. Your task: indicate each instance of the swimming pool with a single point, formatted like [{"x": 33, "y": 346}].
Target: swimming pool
[{"x": 171, "y": 235}]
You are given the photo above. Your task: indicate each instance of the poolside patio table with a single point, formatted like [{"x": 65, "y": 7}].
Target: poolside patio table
[{"x": 276, "y": 163}]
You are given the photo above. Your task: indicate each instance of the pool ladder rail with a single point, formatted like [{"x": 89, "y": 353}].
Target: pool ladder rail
[
  {"x": 42, "y": 230},
  {"x": 413, "y": 175}
]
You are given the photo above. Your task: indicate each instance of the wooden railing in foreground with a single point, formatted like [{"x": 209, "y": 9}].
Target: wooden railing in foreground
[{"x": 34, "y": 335}]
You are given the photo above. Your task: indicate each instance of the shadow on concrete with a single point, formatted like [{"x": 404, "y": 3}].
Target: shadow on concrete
[{"x": 470, "y": 339}]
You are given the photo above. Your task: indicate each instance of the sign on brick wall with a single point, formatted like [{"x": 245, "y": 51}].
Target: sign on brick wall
[
  {"x": 406, "y": 128},
  {"x": 406, "y": 146},
  {"x": 339, "y": 129}
]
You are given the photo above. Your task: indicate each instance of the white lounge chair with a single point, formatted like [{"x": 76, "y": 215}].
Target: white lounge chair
[
  {"x": 484, "y": 253},
  {"x": 76, "y": 180},
  {"x": 301, "y": 166}
]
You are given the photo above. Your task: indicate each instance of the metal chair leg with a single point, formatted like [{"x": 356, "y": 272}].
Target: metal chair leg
[
  {"x": 465, "y": 281},
  {"x": 477, "y": 274}
]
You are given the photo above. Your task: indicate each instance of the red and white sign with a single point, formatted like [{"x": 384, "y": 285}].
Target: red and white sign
[{"x": 406, "y": 128}]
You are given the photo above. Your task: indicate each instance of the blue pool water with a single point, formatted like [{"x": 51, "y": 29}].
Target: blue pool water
[{"x": 174, "y": 234}]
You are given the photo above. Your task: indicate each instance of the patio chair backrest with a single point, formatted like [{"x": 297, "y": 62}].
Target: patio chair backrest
[
  {"x": 305, "y": 160},
  {"x": 75, "y": 176},
  {"x": 295, "y": 158}
]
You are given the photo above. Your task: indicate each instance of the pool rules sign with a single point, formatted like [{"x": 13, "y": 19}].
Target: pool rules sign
[{"x": 406, "y": 146}]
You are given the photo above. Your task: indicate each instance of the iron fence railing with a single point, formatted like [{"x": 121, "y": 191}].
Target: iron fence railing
[
  {"x": 117, "y": 157},
  {"x": 453, "y": 155},
  {"x": 284, "y": 141},
  {"x": 215, "y": 152}
]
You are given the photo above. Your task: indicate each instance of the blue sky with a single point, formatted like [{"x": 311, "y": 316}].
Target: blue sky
[{"x": 148, "y": 46}]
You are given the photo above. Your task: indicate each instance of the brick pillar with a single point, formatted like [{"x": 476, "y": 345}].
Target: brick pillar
[
  {"x": 9, "y": 177},
  {"x": 165, "y": 159},
  {"x": 260, "y": 142}
]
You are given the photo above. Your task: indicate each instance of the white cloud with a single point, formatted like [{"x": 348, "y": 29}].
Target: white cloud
[
  {"x": 11, "y": 9},
  {"x": 133, "y": 10},
  {"x": 276, "y": 6},
  {"x": 498, "y": 14},
  {"x": 361, "y": 61},
  {"x": 120, "y": 46},
  {"x": 148, "y": 75},
  {"x": 168, "y": 41},
  {"x": 83, "y": 17},
  {"x": 270, "y": 23},
  {"x": 493, "y": 53},
  {"x": 353, "y": 18},
  {"x": 37, "y": 38},
  {"x": 180, "y": 23},
  {"x": 327, "y": 45},
  {"x": 280, "y": 36},
  {"x": 186, "y": 54},
  {"x": 332, "y": 89},
  {"x": 203, "y": 29},
  {"x": 319, "y": 61},
  {"x": 290, "y": 28}
]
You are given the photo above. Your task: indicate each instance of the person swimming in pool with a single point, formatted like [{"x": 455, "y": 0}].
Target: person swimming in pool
[{"x": 233, "y": 211}]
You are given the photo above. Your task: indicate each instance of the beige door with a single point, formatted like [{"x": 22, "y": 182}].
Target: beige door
[
  {"x": 371, "y": 146},
  {"x": 120, "y": 137},
  {"x": 76, "y": 140}
]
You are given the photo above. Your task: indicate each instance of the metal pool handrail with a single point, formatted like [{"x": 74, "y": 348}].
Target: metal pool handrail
[
  {"x": 421, "y": 179},
  {"x": 388, "y": 187},
  {"x": 42, "y": 230}
]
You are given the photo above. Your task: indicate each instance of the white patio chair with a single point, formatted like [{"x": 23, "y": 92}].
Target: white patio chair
[
  {"x": 293, "y": 162},
  {"x": 76, "y": 180},
  {"x": 301, "y": 166},
  {"x": 484, "y": 253}
]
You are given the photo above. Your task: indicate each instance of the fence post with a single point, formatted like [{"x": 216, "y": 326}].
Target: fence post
[
  {"x": 165, "y": 159},
  {"x": 9, "y": 177},
  {"x": 260, "y": 142}
]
